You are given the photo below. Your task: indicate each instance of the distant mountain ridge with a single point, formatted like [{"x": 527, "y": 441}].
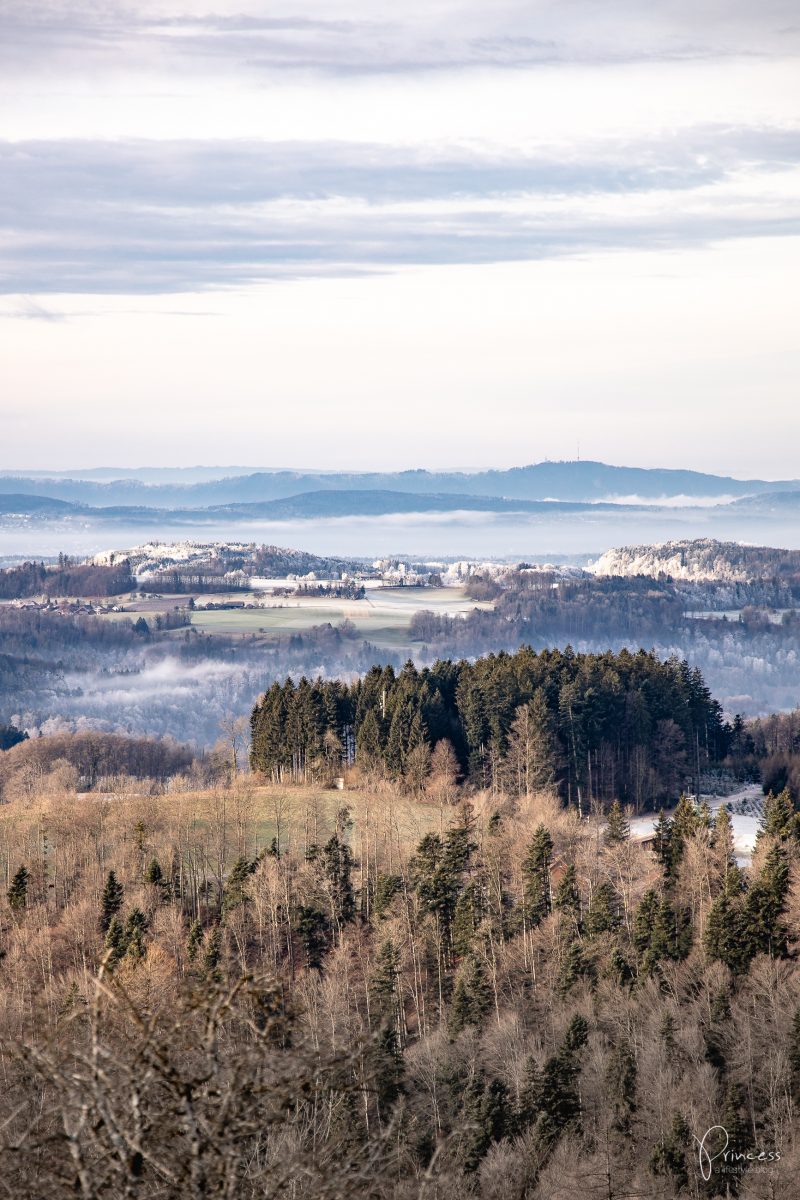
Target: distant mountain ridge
[
  {"x": 576, "y": 481},
  {"x": 306, "y": 505}
]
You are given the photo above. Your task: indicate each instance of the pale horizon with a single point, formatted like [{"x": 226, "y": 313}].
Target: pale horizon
[{"x": 364, "y": 237}]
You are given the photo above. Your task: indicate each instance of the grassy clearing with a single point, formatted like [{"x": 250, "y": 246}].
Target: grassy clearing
[
  {"x": 383, "y": 617},
  {"x": 245, "y": 817}
]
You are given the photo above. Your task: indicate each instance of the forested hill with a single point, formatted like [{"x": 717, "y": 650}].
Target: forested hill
[
  {"x": 600, "y": 726},
  {"x": 702, "y": 559}
]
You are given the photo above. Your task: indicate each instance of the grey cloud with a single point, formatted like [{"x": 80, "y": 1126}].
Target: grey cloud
[
  {"x": 347, "y": 37},
  {"x": 144, "y": 216},
  {"x": 64, "y": 176}
]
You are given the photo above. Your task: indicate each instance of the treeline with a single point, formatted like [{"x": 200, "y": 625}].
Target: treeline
[
  {"x": 512, "y": 1004},
  {"x": 601, "y": 726},
  {"x": 42, "y": 631},
  {"x": 535, "y": 606},
  {"x": 81, "y": 761},
  {"x": 541, "y": 608},
  {"x": 67, "y": 579}
]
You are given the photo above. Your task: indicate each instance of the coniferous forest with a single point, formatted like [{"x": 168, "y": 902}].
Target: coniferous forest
[{"x": 597, "y": 726}]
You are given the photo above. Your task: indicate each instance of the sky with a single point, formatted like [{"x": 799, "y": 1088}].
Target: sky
[{"x": 340, "y": 233}]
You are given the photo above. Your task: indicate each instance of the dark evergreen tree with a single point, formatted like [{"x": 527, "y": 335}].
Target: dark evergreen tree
[
  {"x": 18, "y": 890},
  {"x": 472, "y": 996},
  {"x": 386, "y": 888},
  {"x": 575, "y": 966},
  {"x": 154, "y": 874},
  {"x": 111, "y": 901},
  {"x": 466, "y": 919},
  {"x": 235, "y": 890},
  {"x": 779, "y": 820},
  {"x": 662, "y": 846},
  {"x": 765, "y": 928},
  {"x": 567, "y": 899},
  {"x": 644, "y": 920},
  {"x": 212, "y": 958},
  {"x": 604, "y": 914},
  {"x": 559, "y": 1099},
  {"x": 194, "y": 942},
  {"x": 669, "y": 1159},
  {"x": 621, "y": 1083},
  {"x": 312, "y": 929},
  {"x": 618, "y": 829},
  {"x": 685, "y": 822},
  {"x": 725, "y": 936},
  {"x": 487, "y": 1118},
  {"x": 114, "y": 942},
  {"x": 135, "y": 929},
  {"x": 537, "y": 899},
  {"x": 530, "y": 1095},
  {"x": 337, "y": 864}
]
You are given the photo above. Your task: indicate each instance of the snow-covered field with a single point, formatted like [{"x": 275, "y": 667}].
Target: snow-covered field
[{"x": 746, "y": 807}]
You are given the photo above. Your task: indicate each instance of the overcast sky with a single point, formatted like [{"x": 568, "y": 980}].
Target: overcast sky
[{"x": 358, "y": 233}]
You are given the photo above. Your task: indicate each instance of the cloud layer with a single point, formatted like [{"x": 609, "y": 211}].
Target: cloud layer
[
  {"x": 161, "y": 216},
  {"x": 348, "y": 36}
]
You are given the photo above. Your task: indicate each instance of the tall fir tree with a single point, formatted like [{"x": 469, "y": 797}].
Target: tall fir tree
[
  {"x": 111, "y": 901},
  {"x": 537, "y": 898},
  {"x": 618, "y": 829},
  {"x": 18, "y": 889}
]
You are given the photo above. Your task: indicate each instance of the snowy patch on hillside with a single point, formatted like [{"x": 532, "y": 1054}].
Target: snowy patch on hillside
[{"x": 699, "y": 560}]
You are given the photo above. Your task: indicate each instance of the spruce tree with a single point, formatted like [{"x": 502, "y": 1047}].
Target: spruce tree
[
  {"x": 778, "y": 821},
  {"x": 212, "y": 957},
  {"x": 722, "y": 855},
  {"x": 313, "y": 930},
  {"x": 575, "y": 966},
  {"x": 618, "y": 828},
  {"x": 18, "y": 891},
  {"x": 466, "y": 919},
  {"x": 685, "y": 822},
  {"x": 383, "y": 985},
  {"x": 111, "y": 901},
  {"x": 644, "y": 919},
  {"x": 114, "y": 945},
  {"x": 388, "y": 1070},
  {"x": 537, "y": 900},
  {"x": 559, "y": 1099},
  {"x": 386, "y": 888},
  {"x": 765, "y": 929},
  {"x": 194, "y": 941},
  {"x": 235, "y": 891},
  {"x": 736, "y": 1122},
  {"x": 725, "y": 936},
  {"x": 567, "y": 898},
  {"x": 153, "y": 874},
  {"x": 530, "y": 1095},
  {"x": 621, "y": 1087},
  {"x": 603, "y": 915},
  {"x": 666, "y": 1033},
  {"x": 472, "y": 996},
  {"x": 669, "y": 1157},
  {"x": 662, "y": 845},
  {"x": 337, "y": 864},
  {"x": 487, "y": 1117},
  {"x": 135, "y": 929}
]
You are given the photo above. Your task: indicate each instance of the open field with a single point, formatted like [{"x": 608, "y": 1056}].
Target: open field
[
  {"x": 243, "y": 818},
  {"x": 383, "y": 617}
]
